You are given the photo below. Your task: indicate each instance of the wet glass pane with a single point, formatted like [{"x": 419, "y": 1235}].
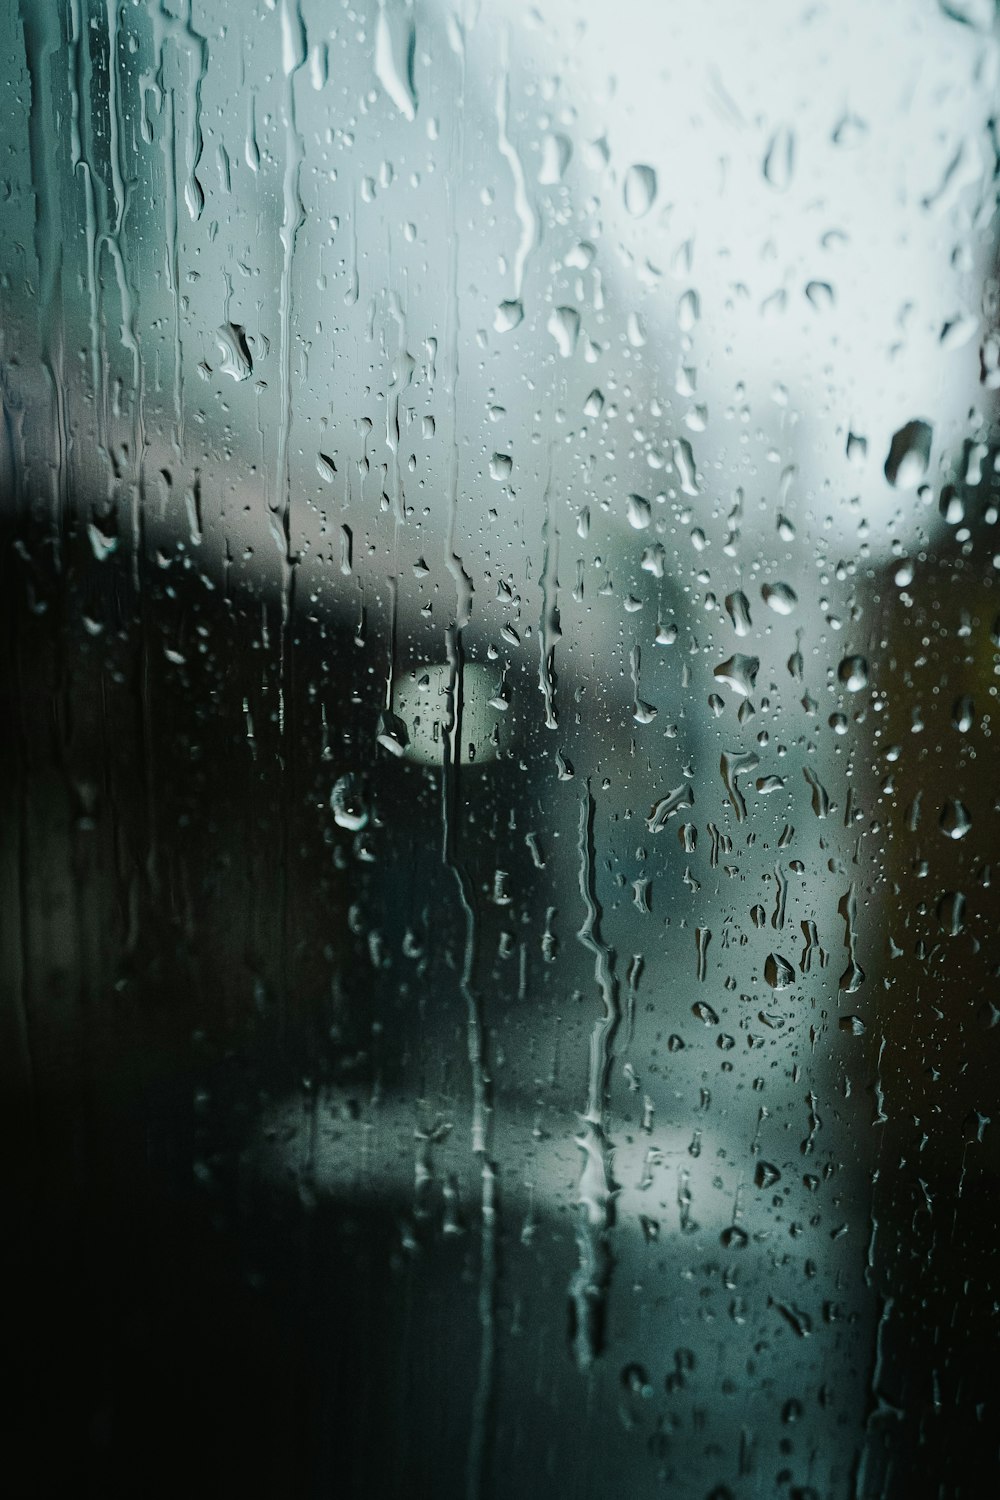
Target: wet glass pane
[{"x": 500, "y": 641}]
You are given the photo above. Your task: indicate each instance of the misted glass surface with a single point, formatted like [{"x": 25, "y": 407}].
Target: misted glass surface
[{"x": 501, "y": 643}]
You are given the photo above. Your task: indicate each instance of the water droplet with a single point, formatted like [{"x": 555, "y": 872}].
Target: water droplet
[
  {"x": 556, "y": 152},
  {"x": 636, "y": 1379},
  {"x": 688, "y": 311},
  {"x": 820, "y": 294},
  {"x": 501, "y": 467},
  {"x": 768, "y": 784},
  {"x": 778, "y": 972},
  {"x": 739, "y": 673},
  {"x": 581, "y": 256},
  {"x": 821, "y": 804},
  {"x": 392, "y": 732},
  {"x": 635, "y": 330},
  {"x": 852, "y": 978},
  {"x": 779, "y": 597},
  {"x": 849, "y": 132},
  {"x": 963, "y": 714},
  {"x": 236, "y": 358},
  {"x": 951, "y": 506},
  {"x": 639, "y": 512},
  {"x": 909, "y": 455},
  {"x": 979, "y": 14},
  {"x": 766, "y": 1174},
  {"x": 395, "y": 46},
  {"x": 951, "y": 912},
  {"x": 732, "y": 765},
  {"x": 957, "y": 331},
  {"x": 564, "y": 326},
  {"x": 640, "y": 190},
  {"x": 673, "y": 802},
  {"x": 650, "y": 1228},
  {"x": 347, "y": 803},
  {"x": 507, "y": 316},
  {"x": 738, "y": 609},
  {"x": 101, "y": 544},
  {"x": 653, "y": 559},
  {"x": 779, "y": 159},
  {"x": 853, "y": 673},
  {"x": 955, "y": 820}
]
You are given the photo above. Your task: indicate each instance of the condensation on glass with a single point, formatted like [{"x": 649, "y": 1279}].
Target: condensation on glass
[{"x": 501, "y": 643}]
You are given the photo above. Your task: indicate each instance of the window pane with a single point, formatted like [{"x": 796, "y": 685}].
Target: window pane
[{"x": 499, "y": 513}]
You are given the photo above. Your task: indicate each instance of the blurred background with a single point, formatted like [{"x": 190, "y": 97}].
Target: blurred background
[{"x": 499, "y": 519}]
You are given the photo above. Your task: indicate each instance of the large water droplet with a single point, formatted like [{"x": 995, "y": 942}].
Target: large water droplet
[
  {"x": 779, "y": 159},
  {"x": 639, "y": 512},
  {"x": 395, "y": 45},
  {"x": 909, "y": 455},
  {"x": 507, "y": 316},
  {"x": 348, "y": 806},
  {"x": 640, "y": 190},
  {"x": 853, "y": 673},
  {"x": 778, "y": 972},
  {"x": 236, "y": 358},
  {"x": 738, "y": 609},
  {"x": 556, "y": 152},
  {"x": 951, "y": 912},
  {"x": 955, "y": 820},
  {"x": 780, "y": 597},
  {"x": 684, "y": 463},
  {"x": 820, "y": 294},
  {"x": 739, "y": 673},
  {"x": 564, "y": 326},
  {"x": 681, "y": 796},
  {"x": 688, "y": 310}
]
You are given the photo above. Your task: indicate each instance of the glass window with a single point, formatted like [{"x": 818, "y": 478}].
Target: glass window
[{"x": 499, "y": 514}]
